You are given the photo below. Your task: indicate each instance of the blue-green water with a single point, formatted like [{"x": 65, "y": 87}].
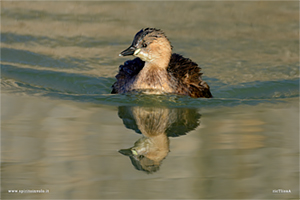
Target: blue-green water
[{"x": 62, "y": 130}]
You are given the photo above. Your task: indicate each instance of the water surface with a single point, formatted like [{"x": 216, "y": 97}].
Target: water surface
[{"x": 64, "y": 132}]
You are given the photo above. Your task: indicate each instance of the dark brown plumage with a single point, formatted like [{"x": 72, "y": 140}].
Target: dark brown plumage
[{"x": 179, "y": 76}]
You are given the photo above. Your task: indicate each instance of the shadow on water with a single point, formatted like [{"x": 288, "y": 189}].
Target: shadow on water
[
  {"x": 156, "y": 124},
  {"x": 48, "y": 82},
  {"x": 84, "y": 88},
  {"x": 52, "y": 83}
]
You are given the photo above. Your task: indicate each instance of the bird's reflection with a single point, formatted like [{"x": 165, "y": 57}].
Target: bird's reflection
[{"x": 156, "y": 124}]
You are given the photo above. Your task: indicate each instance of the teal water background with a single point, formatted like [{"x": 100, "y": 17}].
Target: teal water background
[{"x": 61, "y": 129}]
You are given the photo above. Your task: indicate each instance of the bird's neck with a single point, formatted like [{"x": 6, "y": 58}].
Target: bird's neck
[{"x": 161, "y": 62}]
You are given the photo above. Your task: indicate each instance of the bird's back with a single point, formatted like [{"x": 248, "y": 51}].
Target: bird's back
[{"x": 188, "y": 75}]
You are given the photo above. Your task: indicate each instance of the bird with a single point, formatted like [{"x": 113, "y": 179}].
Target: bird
[{"x": 156, "y": 70}]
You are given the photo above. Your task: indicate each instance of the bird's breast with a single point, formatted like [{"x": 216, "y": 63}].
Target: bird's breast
[{"x": 153, "y": 81}]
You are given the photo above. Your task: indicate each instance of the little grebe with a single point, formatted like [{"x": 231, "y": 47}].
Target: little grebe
[{"x": 156, "y": 70}]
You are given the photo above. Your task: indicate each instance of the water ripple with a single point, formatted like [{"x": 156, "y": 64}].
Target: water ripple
[{"x": 84, "y": 88}]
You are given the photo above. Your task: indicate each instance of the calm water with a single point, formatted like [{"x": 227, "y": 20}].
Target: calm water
[{"x": 64, "y": 133}]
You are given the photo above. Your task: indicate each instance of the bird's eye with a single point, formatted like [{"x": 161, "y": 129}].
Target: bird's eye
[{"x": 144, "y": 45}]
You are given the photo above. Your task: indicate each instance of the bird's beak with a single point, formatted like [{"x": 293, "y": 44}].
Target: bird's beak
[
  {"x": 126, "y": 152},
  {"x": 129, "y": 51}
]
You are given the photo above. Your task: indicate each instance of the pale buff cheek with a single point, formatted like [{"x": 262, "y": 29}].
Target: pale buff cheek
[{"x": 145, "y": 56}]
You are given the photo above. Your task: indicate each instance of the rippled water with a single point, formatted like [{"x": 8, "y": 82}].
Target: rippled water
[{"x": 64, "y": 132}]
